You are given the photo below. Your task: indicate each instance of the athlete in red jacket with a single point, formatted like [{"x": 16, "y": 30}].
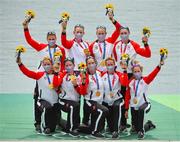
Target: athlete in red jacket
[
  {"x": 47, "y": 102},
  {"x": 44, "y": 50},
  {"x": 114, "y": 91},
  {"x": 77, "y": 48},
  {"x": 130, "y": 47},
  {"x": 136, "y": 96},
  {"x": 102, "y": 48}
]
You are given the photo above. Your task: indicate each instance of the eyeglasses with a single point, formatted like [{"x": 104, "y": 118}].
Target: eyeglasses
[
  {"x": 51, "y": 33},
  {"x": 126, "y": 28},
  {"x": 69, "y": 59}
]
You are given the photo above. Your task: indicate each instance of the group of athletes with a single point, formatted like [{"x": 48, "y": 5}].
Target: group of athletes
[{"x": 108, "y": 87}]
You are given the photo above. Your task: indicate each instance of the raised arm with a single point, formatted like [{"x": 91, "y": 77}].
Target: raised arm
[
  {"x": 112, "y": 39},
  {"x": 148, "y": 79},
  {"x": 36, "y": 45},
  {"x": 145, "y": 52},
  {"x": 29, "y": 73},
  {"x": 66, "y": 43}
]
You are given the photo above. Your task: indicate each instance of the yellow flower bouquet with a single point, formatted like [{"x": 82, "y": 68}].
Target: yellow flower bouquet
[
  {"x": 65, "y": 16},
  {"x": 146, "y": 31},
  {"x": 109, "y": 8},
  {"x": 125, "y": 58},
  {"x": 57, "y": 56},
  {"x": 82, "y": 67},
  {"x": 20, "y": 49},
  {"x": 72, "y": 77},
  {"x": 30, "y": 14},
  {"x": 163, "y": 53}
]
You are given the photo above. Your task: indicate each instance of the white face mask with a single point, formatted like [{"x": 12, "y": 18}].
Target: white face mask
[
  {"x": 52, "y": 42},
  {"x": 138, "y": 75},
  {"x": 110, "y": 68},
  {"x": 101, "y": 37},
  {"x": 69, "y": 69},
  {"x": 92, "y": 67},
  {"x": 47, "y": 68},
  {"x": 78, "y": 36},
  {"x": 124, "y": 37}
]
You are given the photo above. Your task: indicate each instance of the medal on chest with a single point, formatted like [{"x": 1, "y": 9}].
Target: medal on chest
[
  {"x": 96, "y": 81},
  {"x": 135, "y": 99},
  {"x": 98, "y": 93}
]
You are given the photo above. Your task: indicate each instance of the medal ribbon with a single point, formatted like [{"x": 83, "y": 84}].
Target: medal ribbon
[
  {"x": 96, "y": 80},
  {"x": 50, "y": 55},
  {"x": 109, "y": 82},
  {"x": 104, "y": 49},
  {"x": 136, "y": 88}
]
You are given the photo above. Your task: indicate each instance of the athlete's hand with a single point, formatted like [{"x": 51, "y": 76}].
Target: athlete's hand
[
  {"x": 93, "y": 107},
  {"x": 161, "y": 63},
  {"x": 74, "y": 82},
  {"x": 64, "y": 26},
  {"x": 18, "y": 61},
  {"x": 126, "y": 114},
  {"x": 111, "y": 17},
  {"x": 56, "y": 68},
  {"x": 25, "y": 24},
  {"x": 145, "y": 39}
]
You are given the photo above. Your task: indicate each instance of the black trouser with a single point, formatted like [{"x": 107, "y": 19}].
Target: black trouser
[
  {"x": 98, "y": 113},
  {"x": 72, "y": 108},
  {"x": 137, "y": 119},
  {"x": 49, "y": 114},
  {"x": 114, "y": 115},
  {"x": 37, "y": 112},
  {"x": 86, "y": 114}
]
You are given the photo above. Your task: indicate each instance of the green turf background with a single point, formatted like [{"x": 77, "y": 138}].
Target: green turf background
[{"x": 16, "y": 118}]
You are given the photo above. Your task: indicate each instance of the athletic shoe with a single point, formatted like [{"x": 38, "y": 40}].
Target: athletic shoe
[
  {"x": 84, "y": 125},
  {"x": 128, "y": 125},
  {"x": 115, "y": 135},
  {"x": 123, "y": 129},
  {"x": 133, "y": 130},
  {"x": 74, "y": 133},
  {"x": 140, "y": 135},
  {"x": 47, "y": 131},
  {"x": 97, "y": 135},
  {"x": 38, "y": 128}
]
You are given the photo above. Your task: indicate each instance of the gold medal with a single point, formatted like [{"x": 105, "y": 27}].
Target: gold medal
[
  {"x": 102, "y": 63},
  {"x": 72, "y": 77},
  {"x": 111, "y": 94},
  {"x": 98, "y": 93},
  {"x": 51, "y": 86},
  {"x": 86, "y": 51},
  {"x": 135, "y": 101}
]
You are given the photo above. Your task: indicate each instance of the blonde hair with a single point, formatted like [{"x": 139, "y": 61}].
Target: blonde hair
[
  {"x": 46, "y": 58},
  {"x": 109, "y": 58},
  {"x": 137, "y": 64}
]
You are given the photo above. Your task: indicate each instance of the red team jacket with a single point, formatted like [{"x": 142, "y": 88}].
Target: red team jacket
[
  {"x": 40, "y": 46},
  {"x": 147, "y": 80},
  {"x": 112, "y": 39}
]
